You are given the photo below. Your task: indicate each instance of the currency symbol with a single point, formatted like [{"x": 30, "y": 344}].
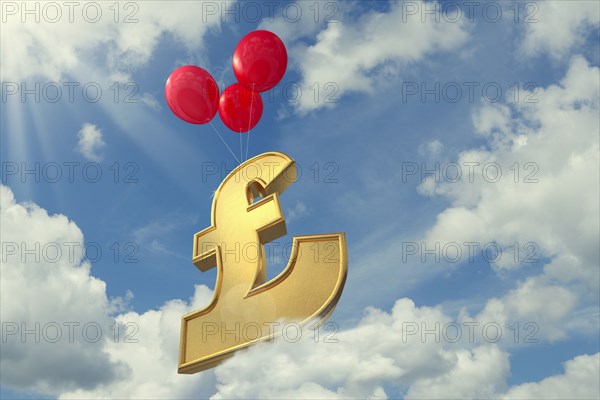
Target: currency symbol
[{"x": 245, "y": 309}]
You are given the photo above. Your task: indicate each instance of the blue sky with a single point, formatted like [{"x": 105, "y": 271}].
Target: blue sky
[{"x": 354, "y": 154}]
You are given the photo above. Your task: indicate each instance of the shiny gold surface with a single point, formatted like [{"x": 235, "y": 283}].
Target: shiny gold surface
[{"x": 246, "y": 309}]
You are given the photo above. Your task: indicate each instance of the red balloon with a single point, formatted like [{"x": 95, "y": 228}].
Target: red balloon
[
  {"x": 192, "y": 94},
  {"x": 240, "y": 109},
  {"x": 260, "y": 60}
]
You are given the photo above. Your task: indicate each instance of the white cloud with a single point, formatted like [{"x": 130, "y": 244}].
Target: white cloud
[
  {"x": 353, "y": 54},
  {"x": 539, "y": 307},
  {"x": 376, "y": 353},
  {"x": 580, "y": 381},
  {"x": 379, "y": 359},
  {"x": 64, "y": 38},
  {"x": 51, "y": 285},
  {"x": 557, "y": 27},
  {"x": 152, "y": 360},
  {"x": 90, "y": 142},
  {"x": 546, "y": 152},
  {"x": 476, "y": 374},
  {"x": 548, "y": 211}
]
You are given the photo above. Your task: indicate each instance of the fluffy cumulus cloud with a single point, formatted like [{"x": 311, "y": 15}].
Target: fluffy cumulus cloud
[
  {"x": 57, "y": 38},
  {"x": 149, "y": 349},
  {"x": 90, "y": 142},
  {"x": 479, "y": 373},
  {"x": 540, "y": 187},
  {"x": 59, "y": 328},
  {"x": 384, "y": 355},
  {"x": 556, "y": 27},
  {"x": 520, "y": 187},
  {"x": 404, "y": 353},
  {"x": 351, "y": 54},
  {"x": 580, "y": 381},
  {"x": 533, "y": 192},
  {"x": 541, "y": 307},
  {"x": 45, "y": 284}
]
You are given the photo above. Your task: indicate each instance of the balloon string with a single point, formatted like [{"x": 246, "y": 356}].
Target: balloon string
[
  {"x": 249, "y": 122},
  {"x": 247, "y": 144},
  {"x": 241, "y": 149},
  {"x": 224, "y": 142}
]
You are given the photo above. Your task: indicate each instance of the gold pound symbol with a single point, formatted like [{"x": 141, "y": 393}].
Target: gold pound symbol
[{"x": 245, "y": 309}]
